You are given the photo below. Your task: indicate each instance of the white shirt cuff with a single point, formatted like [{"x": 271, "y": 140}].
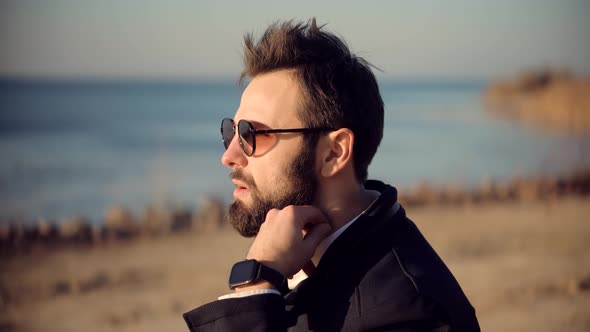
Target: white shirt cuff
[{"x": 249, "y": 293}]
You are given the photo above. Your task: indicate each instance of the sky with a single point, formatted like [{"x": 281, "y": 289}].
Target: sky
[{"x": 462, "y": 39}]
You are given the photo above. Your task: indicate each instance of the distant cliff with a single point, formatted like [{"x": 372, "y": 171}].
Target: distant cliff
[{"x": 554, "y": 99}]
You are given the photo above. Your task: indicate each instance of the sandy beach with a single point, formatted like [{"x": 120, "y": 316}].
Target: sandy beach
[{"x": 524, "y": 265}]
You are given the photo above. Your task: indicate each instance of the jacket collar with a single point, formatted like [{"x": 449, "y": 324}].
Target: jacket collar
[{"x": 345, "y": 252}]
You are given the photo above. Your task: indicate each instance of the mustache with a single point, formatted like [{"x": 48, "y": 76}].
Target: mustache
[{"x": 240, "y": 175}]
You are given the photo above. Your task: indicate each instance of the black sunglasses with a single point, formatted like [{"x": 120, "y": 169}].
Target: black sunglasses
[{"x": 247, "y": 133}]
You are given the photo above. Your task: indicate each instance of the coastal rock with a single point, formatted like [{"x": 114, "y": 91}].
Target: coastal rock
[
  {"x": 75, "y": 230},
  {"x": 583, "y": 284},
  {"x": 119, "y": 224},
  {"x": 210, "y": 216},
  {"x": 4, "y": 232},
  {"x": 21, "y": 236},
  {"x": 182, "y": 220},
  {"x": 452, "y": 195},
  {"x": 47, "y": 232},
  {"x": 488, "y": 189},
  {"x": 98, "y": 281},
  {"x": 157, "y": 220},
  {"x": 61, "y": 287},
  {"x": 492, "y": 190},
  {"x": 579, "y": 182},
  {"x": 16, "y": 236},
  {"x": 424, "y": 193},
  {"x": 526, "y": 190},
  {"x": 4, "y": 237}
]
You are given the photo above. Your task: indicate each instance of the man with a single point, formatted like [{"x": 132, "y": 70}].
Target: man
[{"x": 299, "y": 146}]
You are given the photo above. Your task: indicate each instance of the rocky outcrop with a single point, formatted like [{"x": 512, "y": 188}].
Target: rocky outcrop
[
  {"x": 119, "y": 224},
  {"x": 519, "y": 189},
  {"x": 157, "y": 220},
  {"x": 76, "y": 230},
  {"x": 553, "y": 99},
  {"x": 211, "y": 215}
]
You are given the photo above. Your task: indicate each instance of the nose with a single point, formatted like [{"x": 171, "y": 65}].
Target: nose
[{"x": 234, "y": 156}]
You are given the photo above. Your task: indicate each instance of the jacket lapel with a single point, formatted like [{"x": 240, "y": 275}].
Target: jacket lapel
[{"x": 344, "y": 263}]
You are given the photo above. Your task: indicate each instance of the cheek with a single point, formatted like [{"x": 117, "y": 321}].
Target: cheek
[{"x": 271, "y": 175}]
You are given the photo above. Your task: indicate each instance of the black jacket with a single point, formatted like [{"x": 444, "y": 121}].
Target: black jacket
[{"x": 379, "y": 274}]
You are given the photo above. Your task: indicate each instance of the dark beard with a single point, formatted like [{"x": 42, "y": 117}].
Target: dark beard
[{"x": 299, "y": 189}]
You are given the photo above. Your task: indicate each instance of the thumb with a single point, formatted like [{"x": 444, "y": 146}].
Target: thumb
[{"x": 316, "y": 234}]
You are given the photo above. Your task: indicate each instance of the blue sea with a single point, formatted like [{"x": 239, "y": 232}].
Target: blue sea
[{"x": 78, "y": 147}]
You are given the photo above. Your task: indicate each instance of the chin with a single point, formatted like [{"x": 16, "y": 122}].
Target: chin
[{"x": 245, "y": 202}]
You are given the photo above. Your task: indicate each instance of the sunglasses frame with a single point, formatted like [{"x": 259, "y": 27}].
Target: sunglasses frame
[{"x": 255, "y": 132}]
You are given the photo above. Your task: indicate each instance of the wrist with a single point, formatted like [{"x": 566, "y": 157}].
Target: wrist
[
  {"x": 262, "y": 284},
  {"x": 270, "y": 264},
  {"x": 251, "y": 274}
]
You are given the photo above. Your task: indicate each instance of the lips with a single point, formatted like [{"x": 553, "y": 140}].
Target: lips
[
  {"x": 239, "y": 184},
  {"x": 241, "y": 188},
  {"x": 240, "y": 191},
  {"x": 243, "y": 183}
]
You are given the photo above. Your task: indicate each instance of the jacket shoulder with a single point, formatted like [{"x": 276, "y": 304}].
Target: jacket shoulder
[{"x": 409, "y": 281}]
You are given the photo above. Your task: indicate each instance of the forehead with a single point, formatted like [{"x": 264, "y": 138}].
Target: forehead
[{"x": 272, "y": 99}]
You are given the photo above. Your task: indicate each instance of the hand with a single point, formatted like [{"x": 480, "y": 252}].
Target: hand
[{"x": 288, "y": 238}]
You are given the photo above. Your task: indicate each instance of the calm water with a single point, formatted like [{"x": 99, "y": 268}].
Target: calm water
[{"x": 71, "y": 148}]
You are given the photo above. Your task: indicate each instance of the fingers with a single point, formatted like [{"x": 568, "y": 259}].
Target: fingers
[
  {"x": 314, "y": 224},
  {"x": 289, "y": 237},
  {"x": 311, "y": 215},
  {"x": 303, "y": 215}
]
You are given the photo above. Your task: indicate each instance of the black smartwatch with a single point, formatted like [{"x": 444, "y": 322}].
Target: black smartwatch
[{"x": 251, "y": 271}]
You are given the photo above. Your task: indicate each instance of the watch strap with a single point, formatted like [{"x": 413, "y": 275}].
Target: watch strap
[
  {"x": 250, "y": 271},
  {"x": 273, "y": 276}
]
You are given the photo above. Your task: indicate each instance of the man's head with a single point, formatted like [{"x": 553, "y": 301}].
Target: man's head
[
  {"x": 339, "y": 89},
  {"x": 301, "y": 77}
]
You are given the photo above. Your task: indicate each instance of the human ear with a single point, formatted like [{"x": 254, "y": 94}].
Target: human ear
[{"x": 336, "y": 151}]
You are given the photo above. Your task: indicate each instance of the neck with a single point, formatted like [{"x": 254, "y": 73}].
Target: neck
[{"x": 341, "y": 205}]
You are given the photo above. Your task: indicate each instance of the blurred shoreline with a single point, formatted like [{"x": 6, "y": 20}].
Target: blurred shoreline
[
  {"x": 160, "y": 220},
  {"x": 554, "y": 99}
]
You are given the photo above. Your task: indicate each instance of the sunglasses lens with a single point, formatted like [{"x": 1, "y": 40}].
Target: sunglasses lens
[
  {"x": 227, "y": 131},
  {"x": 245, "y": 131}
]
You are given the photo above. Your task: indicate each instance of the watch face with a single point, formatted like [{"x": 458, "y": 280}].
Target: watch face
[{"x": 243, "y": 273}]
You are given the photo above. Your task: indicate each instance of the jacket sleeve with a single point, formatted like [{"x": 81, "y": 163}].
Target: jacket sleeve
[{"x": 264, "y": 312}]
